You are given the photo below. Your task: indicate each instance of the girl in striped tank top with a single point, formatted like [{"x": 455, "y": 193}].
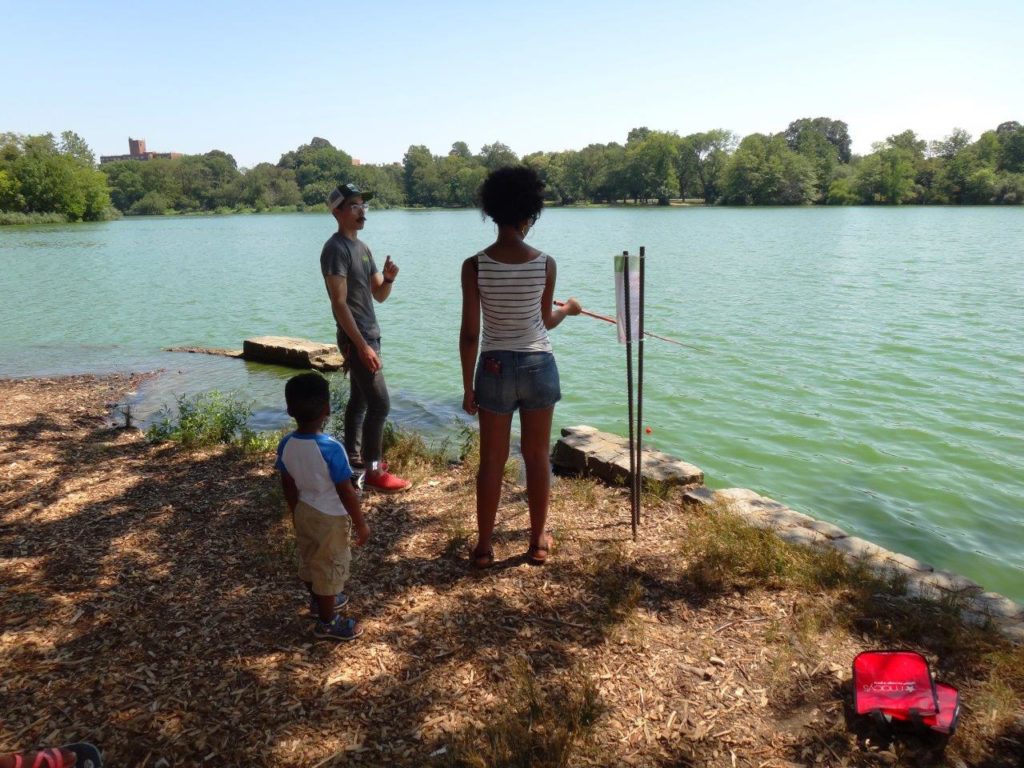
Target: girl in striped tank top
[{"x": 512, "y": 286}]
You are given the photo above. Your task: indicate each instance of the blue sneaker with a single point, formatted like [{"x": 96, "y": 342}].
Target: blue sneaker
[
  {"x": 340, "y": 601},
  {"x": 338, "y": 629}
]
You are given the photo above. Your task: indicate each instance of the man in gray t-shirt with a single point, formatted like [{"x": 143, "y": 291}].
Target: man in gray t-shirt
[{"x": 353, "y": 284}]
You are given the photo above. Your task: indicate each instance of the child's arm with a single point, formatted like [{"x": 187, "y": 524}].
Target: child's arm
[
  {"x": 291, "y": 491},
  {"x": 351, "y": 502}
]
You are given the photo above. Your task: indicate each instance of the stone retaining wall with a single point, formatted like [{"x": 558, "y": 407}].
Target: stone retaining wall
[{"x": 585, "y": 450}]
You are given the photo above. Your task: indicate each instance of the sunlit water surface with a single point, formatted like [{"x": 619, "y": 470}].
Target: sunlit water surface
[{"x": 861, "y": 365}]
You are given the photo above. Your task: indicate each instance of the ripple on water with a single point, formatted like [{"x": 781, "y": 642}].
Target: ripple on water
[{"x": 861, "y": 365}]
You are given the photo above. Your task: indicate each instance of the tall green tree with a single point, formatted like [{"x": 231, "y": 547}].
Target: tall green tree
[
  {"x": 497, "y": 155},
  {"x": 765, "y": 171},
  {"x": 888, "y": 174},
  {"x": 263, "y": 187},
  {"x": 318, "y": 167},
  {"x": 423, "y": 182},
  {"x": 385, "y": 181},
  {"x": 42, "y": 176},
  {"x": 460, "y": 149},
  {"x": 651, "y": 164},
  {"x": 706, "y": 154},
  {"x": 835, "y": 132},
  {"x": 75, "y": 146},
  {"x": 124, "y": 179},
  {"x": 1011, "y": 148}
]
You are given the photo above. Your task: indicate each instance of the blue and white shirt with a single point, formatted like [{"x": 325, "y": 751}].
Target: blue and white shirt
[{"x": 317, "y": 463}]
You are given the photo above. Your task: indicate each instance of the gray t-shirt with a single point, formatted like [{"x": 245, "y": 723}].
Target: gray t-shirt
[{"x": 352, "y": 260}]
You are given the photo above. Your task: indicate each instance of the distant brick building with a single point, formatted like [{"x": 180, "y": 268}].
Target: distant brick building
[{"x": 137, "y": 151}]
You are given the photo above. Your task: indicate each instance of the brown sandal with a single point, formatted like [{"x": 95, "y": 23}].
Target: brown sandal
[
  {"x": 538, "y": 554},
  {"x": 483, "y": 561}
]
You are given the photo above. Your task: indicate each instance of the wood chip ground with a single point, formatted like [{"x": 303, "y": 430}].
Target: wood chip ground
[{"x": 149, "y": 605}]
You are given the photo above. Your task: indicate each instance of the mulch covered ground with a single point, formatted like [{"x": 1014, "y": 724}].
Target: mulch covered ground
[{"x": 148, "y": 604}]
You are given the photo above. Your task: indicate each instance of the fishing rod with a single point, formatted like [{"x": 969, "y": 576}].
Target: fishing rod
[{"x": 613, "y": 322}]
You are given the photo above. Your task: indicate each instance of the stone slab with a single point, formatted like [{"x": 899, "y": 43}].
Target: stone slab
[
  {"x": 291, "y": 352},
  {"x": 997, "y": 606},
  {"x": 953, "y": 582},
  {"x": 908, "y": 563},
  {"x": 586, "y": 450},
  {"x": 856, "y": 548},
  {"x": 699, "y": 496},
  {"x": 827, "y": 529},
  {"x": 803, "y": 536}
]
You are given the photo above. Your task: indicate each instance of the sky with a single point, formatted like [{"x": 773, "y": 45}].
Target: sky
[{"x": 258, "y": 79}]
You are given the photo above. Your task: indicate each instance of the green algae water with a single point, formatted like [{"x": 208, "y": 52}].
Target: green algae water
[{"x": 864, "y": 366}]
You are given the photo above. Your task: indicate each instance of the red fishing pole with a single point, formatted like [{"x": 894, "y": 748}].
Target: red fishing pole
[{"x": 612, "y": 321}]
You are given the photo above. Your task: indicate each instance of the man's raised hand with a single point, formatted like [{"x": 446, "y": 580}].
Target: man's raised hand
[{"x": 390, "y": 270}]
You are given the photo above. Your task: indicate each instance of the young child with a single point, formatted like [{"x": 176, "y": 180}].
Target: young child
[{"x": 315, "y": 475}]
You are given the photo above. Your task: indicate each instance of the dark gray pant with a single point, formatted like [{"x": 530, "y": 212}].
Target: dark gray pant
[{"x": 368, "y": 405}]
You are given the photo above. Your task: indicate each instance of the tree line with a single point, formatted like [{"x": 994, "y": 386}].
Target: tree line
[
  {"x": 808, "y": 163},
  {"x": 46, "y": 179}
]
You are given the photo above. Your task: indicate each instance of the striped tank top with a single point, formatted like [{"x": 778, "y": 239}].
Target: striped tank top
[{"x": 510, "y": 296}]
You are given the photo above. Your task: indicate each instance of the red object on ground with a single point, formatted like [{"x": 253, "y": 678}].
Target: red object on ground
[
  {"x": 949, "y": 709},
  {"x": 894, "y": 683},
  {"x": 897, "y": 685},
  {"x": 648, "y": 430}
]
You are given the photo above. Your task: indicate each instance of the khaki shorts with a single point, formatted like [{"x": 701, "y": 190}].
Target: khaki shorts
[{"x": 322, "y": 542}]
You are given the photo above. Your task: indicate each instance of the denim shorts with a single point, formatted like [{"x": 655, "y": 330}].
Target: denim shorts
[{"x": 506, "y": 381}]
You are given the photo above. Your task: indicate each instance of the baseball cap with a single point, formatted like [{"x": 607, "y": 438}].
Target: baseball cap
[{"x": 342, "y": 193}]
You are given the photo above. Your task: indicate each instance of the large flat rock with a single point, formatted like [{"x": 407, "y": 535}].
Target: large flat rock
[
  {"x": 294, "y": 353},
  {"x": 583, "y": 450}
]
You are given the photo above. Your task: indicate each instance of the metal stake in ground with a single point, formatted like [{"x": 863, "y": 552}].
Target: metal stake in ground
[
  {"x": 638, "y": 476},
  {"x": 629, "y": 389}
]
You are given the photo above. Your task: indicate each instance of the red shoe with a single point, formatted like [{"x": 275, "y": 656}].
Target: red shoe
[{"x": 385, "y": 482}]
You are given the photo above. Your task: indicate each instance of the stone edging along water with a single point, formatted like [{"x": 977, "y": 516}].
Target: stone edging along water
[{"x": 585, "y": 450}]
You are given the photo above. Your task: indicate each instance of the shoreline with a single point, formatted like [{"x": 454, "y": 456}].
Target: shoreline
[
  {"x": 150, "y": 591},
  {"x": 50, "y": 219},
  {"x": 969, "y": 584}
]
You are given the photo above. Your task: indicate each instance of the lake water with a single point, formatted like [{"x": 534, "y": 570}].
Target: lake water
[{"x": 861, "y": 365}]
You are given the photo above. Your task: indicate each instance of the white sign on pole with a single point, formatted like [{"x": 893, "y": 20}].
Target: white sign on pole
[{"x": 627, "y": 268}]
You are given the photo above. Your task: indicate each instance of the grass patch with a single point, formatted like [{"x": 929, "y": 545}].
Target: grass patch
[
  {"x": 609, "y": 570},
  {"x": 13, "y": 218},
  {"x": 253, "y": 443},
  {"x": 409, "y": 450},
  {"x": 726, "y": 553},
  {"x": 575, "y": 493},
  {"x": 202, "y": 420},
  {"x": 458, "y": 536},
  {"x": 535, "y": 728}
]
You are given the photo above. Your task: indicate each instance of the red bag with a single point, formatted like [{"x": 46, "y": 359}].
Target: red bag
[{"x": 897, "y": 685}]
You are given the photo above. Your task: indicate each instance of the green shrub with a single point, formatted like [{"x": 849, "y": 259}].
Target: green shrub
[
  {"x": 251, "y": 442},
  {"x": 339, "y": 401},
  {"x": 151, "y": 204},
  {"x": 201, "y": 420}
]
